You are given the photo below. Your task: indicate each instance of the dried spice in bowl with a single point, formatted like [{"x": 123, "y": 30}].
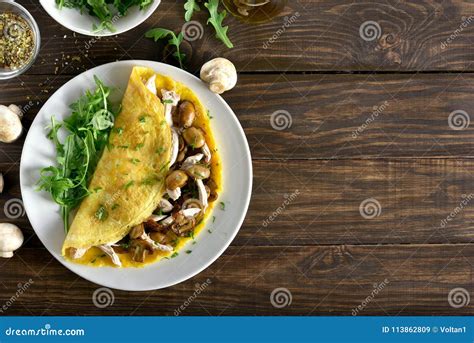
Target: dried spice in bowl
[{"x": 17, "y": 41}]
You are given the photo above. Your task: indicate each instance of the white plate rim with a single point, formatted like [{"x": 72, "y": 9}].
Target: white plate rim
[
  {"x": 104, "y": 33},
  {"x": 228, "y": 241}
]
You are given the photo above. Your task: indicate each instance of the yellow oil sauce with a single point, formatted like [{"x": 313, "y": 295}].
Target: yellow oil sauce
[{"x": 95, "y": 257}]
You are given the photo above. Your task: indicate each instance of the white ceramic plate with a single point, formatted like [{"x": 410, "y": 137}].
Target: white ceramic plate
[
  {"x": 72, "y": 18},
  {"x": 232, "y": 144}
]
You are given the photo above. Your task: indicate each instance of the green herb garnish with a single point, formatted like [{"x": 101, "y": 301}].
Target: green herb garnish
[
  {"x": 101, "y": 9},
  {"x": 101, "y": 213},
  {"x": 174, "y": 254},
  {"x": 222, "y": 205},
  {"x": 160, "y": 33},
  {"x": 190, "y": 6},
  {"x": 188, "y": 251},
  {"x": 216, "y": 19},
  {"x": 167, "y": 101},
  {"x": 129, "y": 184},
  {"x": 134, "y": 160},
  {"x": 88, "y": 130}
]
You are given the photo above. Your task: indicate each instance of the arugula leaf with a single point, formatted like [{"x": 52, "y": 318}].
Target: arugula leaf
[
  {"x": 160, "y": 33},
  {"x": 190, "y": 6},
  {"x": 87, "y": 130},
  {"x": 216, "y": 20},
  {"x": 107, "y": 11}
]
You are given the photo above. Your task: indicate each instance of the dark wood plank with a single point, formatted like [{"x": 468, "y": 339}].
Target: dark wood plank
[
  {"x": 318, "y": 202},
  {"x": 327, "y": 280},
  {"x": 320, "y": 36},
  {"x": 332, "y": 116}
]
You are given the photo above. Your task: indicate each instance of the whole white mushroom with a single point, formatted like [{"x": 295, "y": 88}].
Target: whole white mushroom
[
  {"x": 11, "y": 238},
  {"x": 10, "y": 125},
  {"x": 220, "y": 74}
]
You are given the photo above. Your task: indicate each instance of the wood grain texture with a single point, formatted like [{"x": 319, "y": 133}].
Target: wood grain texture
[
  {"x": 318, "y": 203},
  {"x": 369, "y": 120},
  {"x": 310, "y": 35},
  {"x": 324, "y": 280},
  {"x": 332, "y": 116}
]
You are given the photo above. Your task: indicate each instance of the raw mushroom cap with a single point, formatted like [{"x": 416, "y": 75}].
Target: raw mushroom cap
[{"x": 10, "y": 125}]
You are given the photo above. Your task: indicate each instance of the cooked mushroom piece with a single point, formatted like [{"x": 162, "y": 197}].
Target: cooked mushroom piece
[
  {"x": 191, "y": 160},
  {"x": 194, "y": 137},
  {"x": 154, "y": 245},
  {"x": 170, "y": 99},
  {"x": 192, "y": 203},
  {"x": 139, "y": 249},
  {"x": 165, "y": 206},
  {"x": 153, "y": 225},
  {"x": 174, "y": 147},
  {"x": 1, "y": 182},
  {"x": 207, "y": 153},
  {"x": 202, "y": 193},
  {"x": 174, "y": 193},
  {"x": 187, "y": 113},
  {"x": 137, "y": 231},
  {"x": 176, "y": 179},
  {"x": 198, "y": 171},
  {"x": 107, "y": 249}
]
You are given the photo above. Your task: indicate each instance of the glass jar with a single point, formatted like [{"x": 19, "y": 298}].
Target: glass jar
[{"x": 255, "y": 11}]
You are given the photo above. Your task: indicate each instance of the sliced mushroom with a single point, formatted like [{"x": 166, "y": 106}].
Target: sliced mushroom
[
  {"x": 174, "y": 146},
  {"x": 191, "y": 160},
  {"x": 156, "y": 217},
  {"x": 176, "y": 179},
  {"x": 1, "y": 183},
  {"x": 137, "y": 231},
  {"x": 170, "y": 99},
  {"x": 139, "y": 249},
  {"x": 10, "y": 125},
  {"x": 155, "y": 245},
  {"x": 151, "y": 84},
  {"x": 187, "y": 113},
  {"x": 167, "y": 221},
  {"x": 11, "y": 238},
  {"x": 165, "y": 206},
  {"x": 190, "y": 212},
  {"x": 202, "y": 193},
  {"x": 198, "y": 171},
  {"x": 192, "y": 203},
  {"x": 194, "y": 137},
  {"x": 220, "y": 74},
  {"x": 207, "y": 153},
  {"x": 107, "y": 249},
  {"x": 174, "y": 193}
]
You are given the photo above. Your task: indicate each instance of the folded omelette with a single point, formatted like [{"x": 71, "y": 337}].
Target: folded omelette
[{"x": 155, "y": 182}]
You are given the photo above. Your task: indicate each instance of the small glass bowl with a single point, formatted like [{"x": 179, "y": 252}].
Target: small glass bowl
[{"x": 13, "y": 7}]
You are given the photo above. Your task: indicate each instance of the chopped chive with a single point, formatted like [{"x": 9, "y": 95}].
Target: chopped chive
[
  {"x": 129, "y": 184},
  {"x": 101, "y": 213}
]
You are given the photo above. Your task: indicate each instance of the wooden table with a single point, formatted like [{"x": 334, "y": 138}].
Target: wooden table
[{"x": 376, "y": 120}]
